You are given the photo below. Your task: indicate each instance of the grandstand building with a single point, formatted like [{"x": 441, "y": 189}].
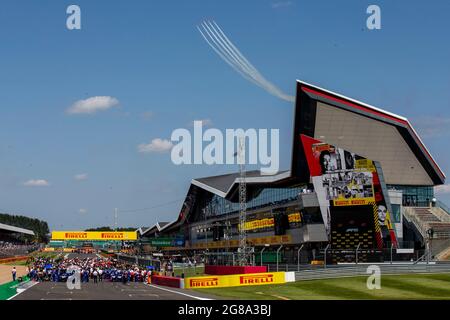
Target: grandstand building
[
  {"x": 14, "y": 241},
  {"x": 360, "y": 177}
]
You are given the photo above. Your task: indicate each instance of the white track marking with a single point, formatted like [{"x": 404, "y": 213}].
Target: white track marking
[
  {"x": 133, "y": 290},
  {"x": 181, "y": 293},
  {"x": 10, "y": 298}
]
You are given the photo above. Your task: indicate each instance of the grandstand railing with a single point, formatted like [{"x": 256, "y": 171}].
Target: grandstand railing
[
  {"x": 423, "y": 226},
  {"x": 440, "y": 213},
  {"x": 442, "y": 205},
  {"x": 409, "y": 214}
]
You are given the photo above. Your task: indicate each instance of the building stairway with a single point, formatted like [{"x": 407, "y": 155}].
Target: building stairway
[{"x": 435, "y": 218}]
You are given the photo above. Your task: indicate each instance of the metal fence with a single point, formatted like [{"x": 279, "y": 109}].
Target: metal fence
[
  {"x": 442, "y": 205},
  {"x": 423, "y": 226},
  {"x": 308, "y": 272},
  {"x": 361, "y": 270}
]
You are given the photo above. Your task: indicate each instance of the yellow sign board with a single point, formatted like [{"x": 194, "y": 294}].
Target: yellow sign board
[
  {"x": 274, "y": 240},
  {"x": 353, "y": 202},
  {"x": 270, "y": 222},
  {"x": 285, "y": 239},
  {"x": 94, "y": 235},
  {"x": 234, "y": 280},
  {"x": 365, "y": 165}
]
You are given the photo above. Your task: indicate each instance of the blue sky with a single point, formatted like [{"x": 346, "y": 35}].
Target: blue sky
[{"x": 150, "y": 57}]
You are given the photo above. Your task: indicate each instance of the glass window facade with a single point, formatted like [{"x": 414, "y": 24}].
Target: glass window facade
[
  {"x": 415, "y": 196},
  {"x": 217, "y": 206}
]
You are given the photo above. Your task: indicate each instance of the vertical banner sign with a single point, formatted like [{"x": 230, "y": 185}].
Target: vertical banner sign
[{"x": 351, "y": 199}]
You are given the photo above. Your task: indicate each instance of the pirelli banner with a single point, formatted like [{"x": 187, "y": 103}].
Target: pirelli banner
[
  {"x": 269, "y": 222},
  {"x": 94, "y": 235},
  {"x": 285, "y": 239},
  {"x": 236, "y": 280}
]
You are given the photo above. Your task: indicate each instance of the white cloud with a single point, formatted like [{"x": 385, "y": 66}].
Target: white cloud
[
  {"x": 442, "y": 189},
  {"x": 36, "y": 183},
  {"x": 157, "y": 145},
  {"x": 92, "y": 105},
  {"x": 205, "y": 122},
  {"x": 82, "y": 211},
  {"x": 81, "y": 176}
]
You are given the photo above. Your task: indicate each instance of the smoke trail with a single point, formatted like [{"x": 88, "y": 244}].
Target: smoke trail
[
  {"x": 219, "y": 51},
  {"x": 228, "y": 52}
]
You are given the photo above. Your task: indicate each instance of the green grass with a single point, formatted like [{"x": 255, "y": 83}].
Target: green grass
[
  {"x": 44, "y": 254},
  {"x": 189, "y": 272},
  {"x": 429, "y": 286},
  {"x": 7, "y": 290}
]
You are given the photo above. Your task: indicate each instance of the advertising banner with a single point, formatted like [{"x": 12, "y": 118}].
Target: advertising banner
[
  {"x": 94, "y": 235},
  {"x": 166, "y": 242},
  {"x": 269, "y": 222},
  {"x": 235, "y": 280},
  {"x": 347, "y": 181},
  {"x": 273, "y": 240}
]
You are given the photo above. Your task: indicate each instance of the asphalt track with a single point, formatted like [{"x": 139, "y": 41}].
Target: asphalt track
[
  {"x": 81, "y": 255},
  {"x": 107, "y": 290}
]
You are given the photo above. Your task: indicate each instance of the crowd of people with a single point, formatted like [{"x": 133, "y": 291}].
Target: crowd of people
[
  {"x": 89, "y": 269},
  {"x": 9, "y": 248}
]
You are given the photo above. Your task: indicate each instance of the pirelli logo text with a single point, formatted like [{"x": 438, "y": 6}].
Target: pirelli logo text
[
  {"x": 256, "y": 279},
  {"x": 76, "y": 235},
  {"x": 236, "y": 280},
  {"x": 112, "y": 235},
  {"x": 204, "y": 282},
  {"x": 353, "y": 202}
]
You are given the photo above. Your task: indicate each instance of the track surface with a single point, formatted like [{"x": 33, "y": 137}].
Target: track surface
[
  {"x": 106, "y": 290},
  {"x": 81, "y": 255}
]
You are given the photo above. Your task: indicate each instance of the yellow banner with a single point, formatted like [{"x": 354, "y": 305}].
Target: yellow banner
[
  {"x": 269, "y": 222},
  {"x": 234, "y": 280},
  {"x": 94, "y": 235},
  {"x": 364, "y": 164},
  {"x": 271, "y": 240},
  {"x": 259, "y": 224},
  {"x": 294, "y": 217},
  {"x": 353, "y": 202},
  {"x": 285, "y": 239}
]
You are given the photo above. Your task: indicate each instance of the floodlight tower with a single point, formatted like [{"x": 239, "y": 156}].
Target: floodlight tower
[
  {"x": 115, "y": 219},
  {"x": 242, "y": 250}
]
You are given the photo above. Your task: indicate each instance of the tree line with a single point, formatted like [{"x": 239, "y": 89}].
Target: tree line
[
  {"x": 39, "y": 227},
  {"x": 110, "y": 229}
]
